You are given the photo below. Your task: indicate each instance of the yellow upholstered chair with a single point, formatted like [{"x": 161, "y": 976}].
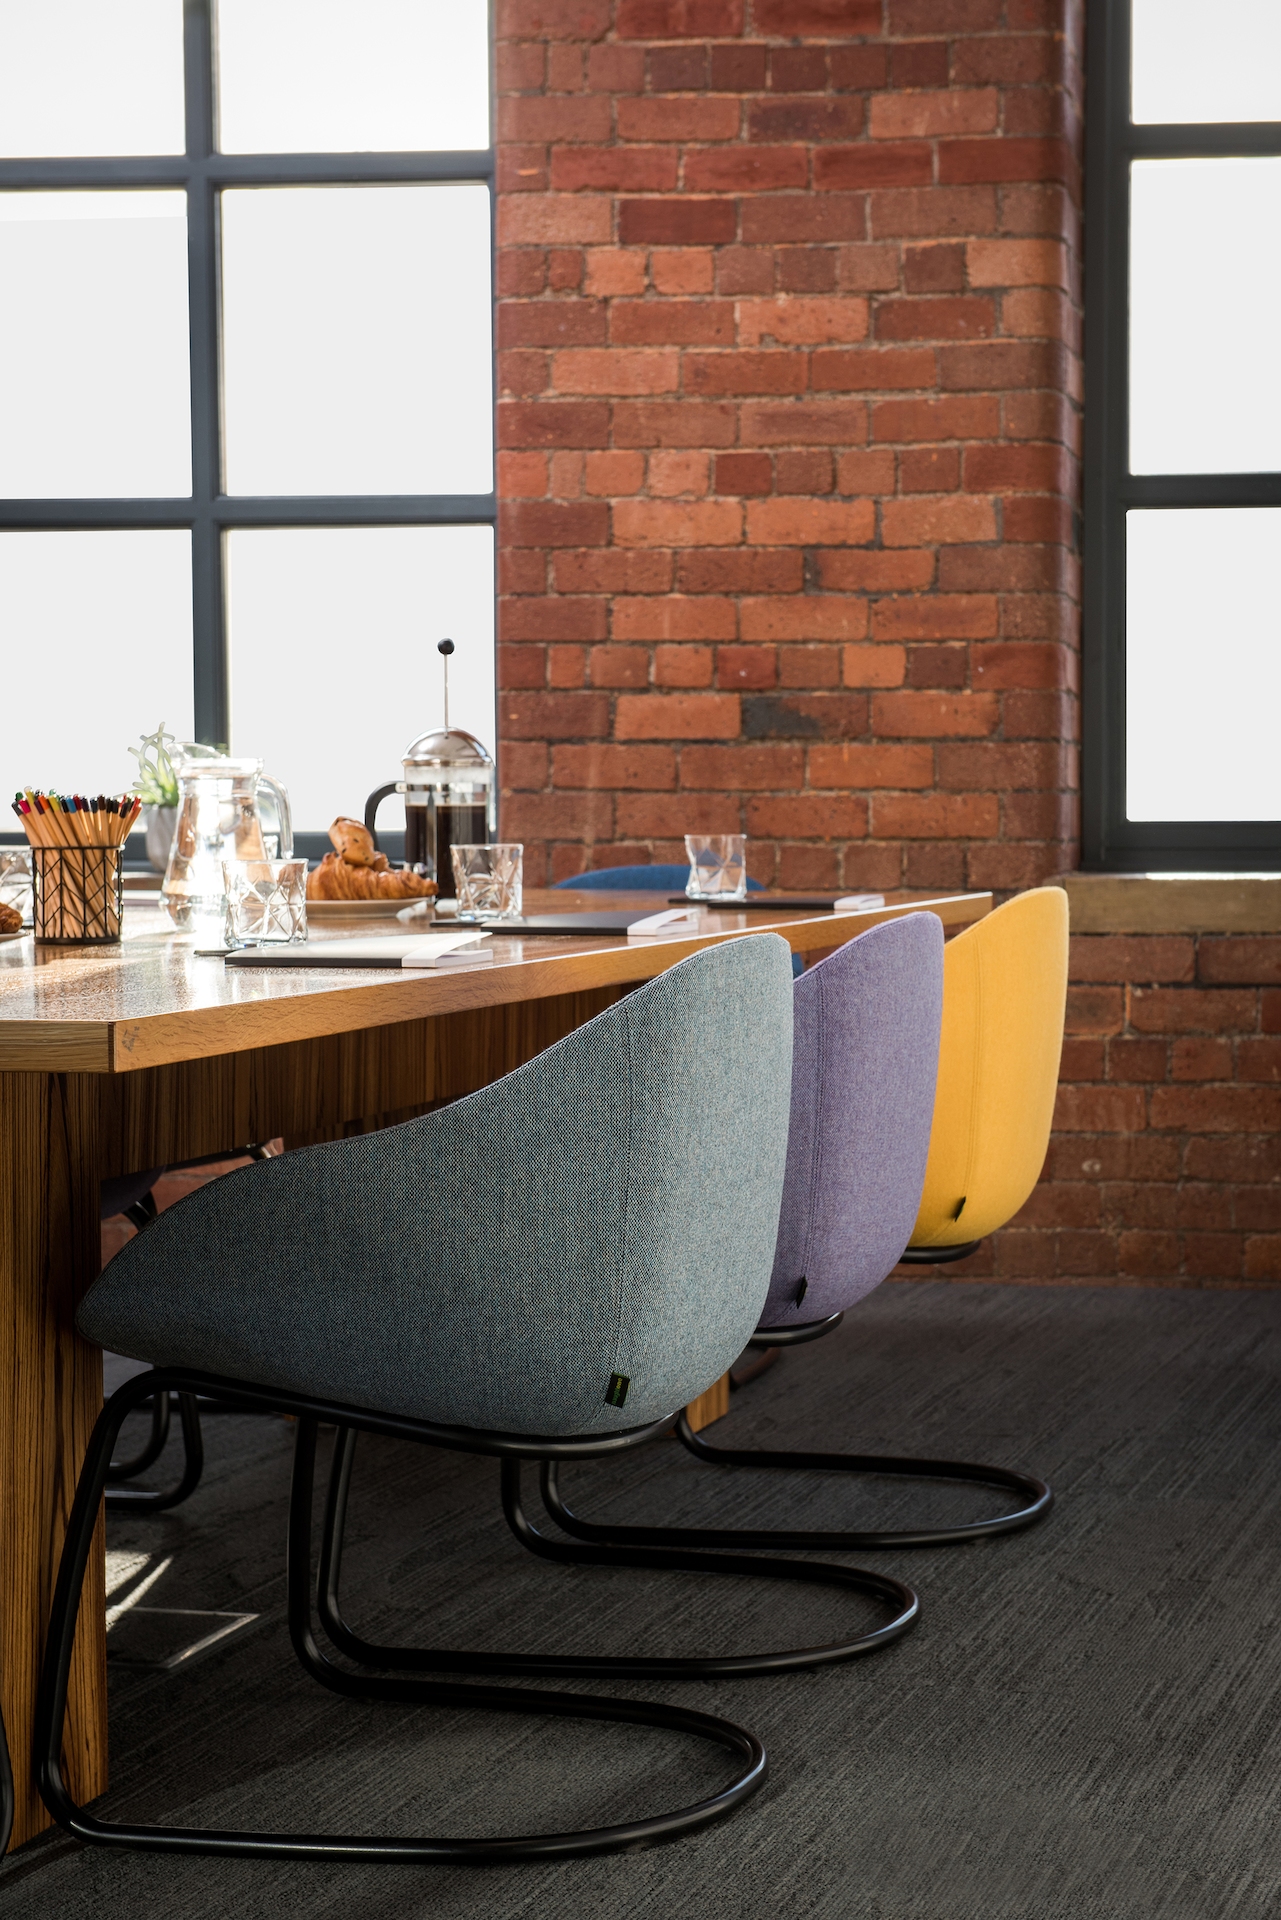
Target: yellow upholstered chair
[{"x": 1004, "y": 992}]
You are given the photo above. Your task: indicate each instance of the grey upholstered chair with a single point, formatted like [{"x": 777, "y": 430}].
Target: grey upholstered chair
[
  {"x": 131, "y": 1194},
  {"x": 863, "y": 1076},
  {"x": 549, "y": 1267}
]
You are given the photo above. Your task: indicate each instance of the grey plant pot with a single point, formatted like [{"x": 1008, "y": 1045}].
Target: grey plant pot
[{"x": 160, "y": 824}]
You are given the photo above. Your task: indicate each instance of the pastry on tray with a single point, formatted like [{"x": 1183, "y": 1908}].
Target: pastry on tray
[
  {"x": 11, "y": 918},
  {"x": 355, "y": 872}
]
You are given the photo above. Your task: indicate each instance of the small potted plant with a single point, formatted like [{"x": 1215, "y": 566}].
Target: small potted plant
[{"x": 157, "y": 786}]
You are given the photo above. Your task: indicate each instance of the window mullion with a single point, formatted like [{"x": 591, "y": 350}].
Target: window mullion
[{"x": 210, "y": 690}]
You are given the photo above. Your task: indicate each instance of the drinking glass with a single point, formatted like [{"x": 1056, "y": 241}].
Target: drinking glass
[
  {"x": 266, "y": 902},
  {"x": 488, "y": 880},
  {"x": 717, "y": 866}
]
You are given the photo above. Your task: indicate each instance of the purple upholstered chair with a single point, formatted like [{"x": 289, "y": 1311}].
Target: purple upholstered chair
[{"x": 865, "y": 1061}]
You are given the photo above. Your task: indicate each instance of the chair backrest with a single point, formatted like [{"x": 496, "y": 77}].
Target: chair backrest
[
  {"x": 864, "y": 1062},
  {"x": 607, "y": 1210},
  {"x": 1004, "y": 994},
  {"x": 125, "y": 1190},
  {"x": 656, "y": 879}
]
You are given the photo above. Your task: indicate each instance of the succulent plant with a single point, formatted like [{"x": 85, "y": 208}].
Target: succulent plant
[{"x": 157, "y": 783}]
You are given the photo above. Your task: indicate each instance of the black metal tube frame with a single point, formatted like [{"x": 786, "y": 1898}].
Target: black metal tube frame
[
  {"x": 127, "y": 1499},
  {"x": 203, "y": 172},
  {"x": 1109, "y": 839},
  {"x": 150, "y": 1452},
  {"x": 796, "y": 1336},
  {"x": 6, "y": 1793},
  {"x": 938, "y": 1256},
  {"x": 1037, "y": 1498},
  {"x": 903, "y": 1602},
  {"x": 52, "y": 1702}
]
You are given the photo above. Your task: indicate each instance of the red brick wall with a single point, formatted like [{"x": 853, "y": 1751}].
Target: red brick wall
[
  {"x": 1165, "y": 1163},
  {"x": 789, "y": 415}
]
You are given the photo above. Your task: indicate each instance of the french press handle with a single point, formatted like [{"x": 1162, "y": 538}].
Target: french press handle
[{"x": 372, "y": 805}]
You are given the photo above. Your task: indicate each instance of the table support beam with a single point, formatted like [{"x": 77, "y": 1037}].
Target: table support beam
[{"x": 50, "y": 1396}]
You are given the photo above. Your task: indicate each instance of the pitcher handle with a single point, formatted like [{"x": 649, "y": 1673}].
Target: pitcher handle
[{"x": 284, "y": 819}]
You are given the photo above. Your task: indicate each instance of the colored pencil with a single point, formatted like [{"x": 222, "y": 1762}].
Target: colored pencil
[{"x": 71, "y": 820}]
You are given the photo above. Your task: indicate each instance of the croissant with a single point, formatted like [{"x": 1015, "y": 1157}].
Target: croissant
[
  {"x": 10, "y": 918},
  {"x": 333, "y": 879},
  {"x": 355, "y": 843},
  {"x": 356, "y": 872}
]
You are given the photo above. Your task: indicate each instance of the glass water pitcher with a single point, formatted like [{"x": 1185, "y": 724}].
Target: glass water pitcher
[{"x": 218, "y": 819}]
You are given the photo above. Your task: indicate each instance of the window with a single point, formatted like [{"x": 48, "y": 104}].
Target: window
[
  {"x": 1182, "y": 766},
  {"x": 246, "y": 384}
]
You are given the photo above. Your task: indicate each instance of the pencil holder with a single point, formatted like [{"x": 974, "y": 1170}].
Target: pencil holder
[{"x": 79, "y": 895}]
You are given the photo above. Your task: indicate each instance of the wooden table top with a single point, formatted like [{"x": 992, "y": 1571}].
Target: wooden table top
[{"x": 152, "y": 1000}]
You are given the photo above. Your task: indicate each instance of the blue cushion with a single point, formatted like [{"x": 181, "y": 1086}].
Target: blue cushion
[
  {"x": 656, "y": 879},
  {"x": 611, "y": 1208}
]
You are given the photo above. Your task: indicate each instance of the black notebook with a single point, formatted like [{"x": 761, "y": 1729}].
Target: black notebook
[{"x": 604, "y": 921}]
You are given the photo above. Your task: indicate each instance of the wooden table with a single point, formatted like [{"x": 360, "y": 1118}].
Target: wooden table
[{"x": 117, "y": 1059}]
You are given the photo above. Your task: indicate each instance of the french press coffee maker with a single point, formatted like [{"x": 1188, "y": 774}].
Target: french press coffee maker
[{"x": 450, "y": 796}]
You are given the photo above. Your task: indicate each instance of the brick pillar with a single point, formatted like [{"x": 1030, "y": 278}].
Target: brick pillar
[{"x": 789, "y": 419}]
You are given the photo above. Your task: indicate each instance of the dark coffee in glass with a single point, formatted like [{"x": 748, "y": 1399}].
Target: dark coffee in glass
[{"x": 431, "y": 831}]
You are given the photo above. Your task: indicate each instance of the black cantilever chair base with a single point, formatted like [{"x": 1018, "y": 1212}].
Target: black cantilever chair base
[
  {"x": 937, "y": 1256},
  {"x": 901, "y": 1600},
  {"x": 129, "y": 1499},
  {"x": 746, "y": 1749},
  {"x": 1036, "y": 1497},
  {"x": 6, "y": 1794}
]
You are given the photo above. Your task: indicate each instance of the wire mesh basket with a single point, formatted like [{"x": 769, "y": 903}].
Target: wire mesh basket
[{"x": 79, "y": 895}]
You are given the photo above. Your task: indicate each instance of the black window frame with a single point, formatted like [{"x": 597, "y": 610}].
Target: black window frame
[
  {"x": 1108, "y": 840},
  {"x": 209, "y": 513}
]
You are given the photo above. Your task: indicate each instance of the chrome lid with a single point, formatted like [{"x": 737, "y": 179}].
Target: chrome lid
[{"x": 447, "y": 748}]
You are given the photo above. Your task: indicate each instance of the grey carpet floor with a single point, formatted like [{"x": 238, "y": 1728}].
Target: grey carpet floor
[{"x": 1086, "y": 1725}]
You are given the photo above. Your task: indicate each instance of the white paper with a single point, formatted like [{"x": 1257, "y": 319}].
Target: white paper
[
  {"x": 411, "y": 949},
  {"x": 677, "y": 920}
]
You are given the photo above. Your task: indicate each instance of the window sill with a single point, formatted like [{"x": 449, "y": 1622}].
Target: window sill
[{"x": 1173, "y": 902}]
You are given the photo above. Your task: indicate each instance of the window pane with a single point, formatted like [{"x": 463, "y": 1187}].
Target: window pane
[
  {"x": 93, "y": 345},
  {"x": 323, "y": 76},
  {"x": 1205, "y": 288},
  {"x": 334, "y": 668},
  {"x": 356, "y": 339},
  {"x": 98, "y": 633},
  {"x": 85, "y": 77},
  {"x": 1194, "y": 63},
  {"x": 1203, "y": 664}
]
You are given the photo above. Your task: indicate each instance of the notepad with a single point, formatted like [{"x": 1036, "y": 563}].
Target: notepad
[
  {"x": 677, "y": 921},
  {"x": 446, "y": 951},
  {"x": 601, "y": 920}
]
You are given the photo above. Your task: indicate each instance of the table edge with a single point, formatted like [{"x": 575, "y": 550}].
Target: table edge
[{"x": 165, "y": 1039}]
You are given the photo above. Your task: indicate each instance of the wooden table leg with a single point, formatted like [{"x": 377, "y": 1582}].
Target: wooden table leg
[
  {"x": 50, "y": 1396},
  {"x": 709, "y": 1406}
]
